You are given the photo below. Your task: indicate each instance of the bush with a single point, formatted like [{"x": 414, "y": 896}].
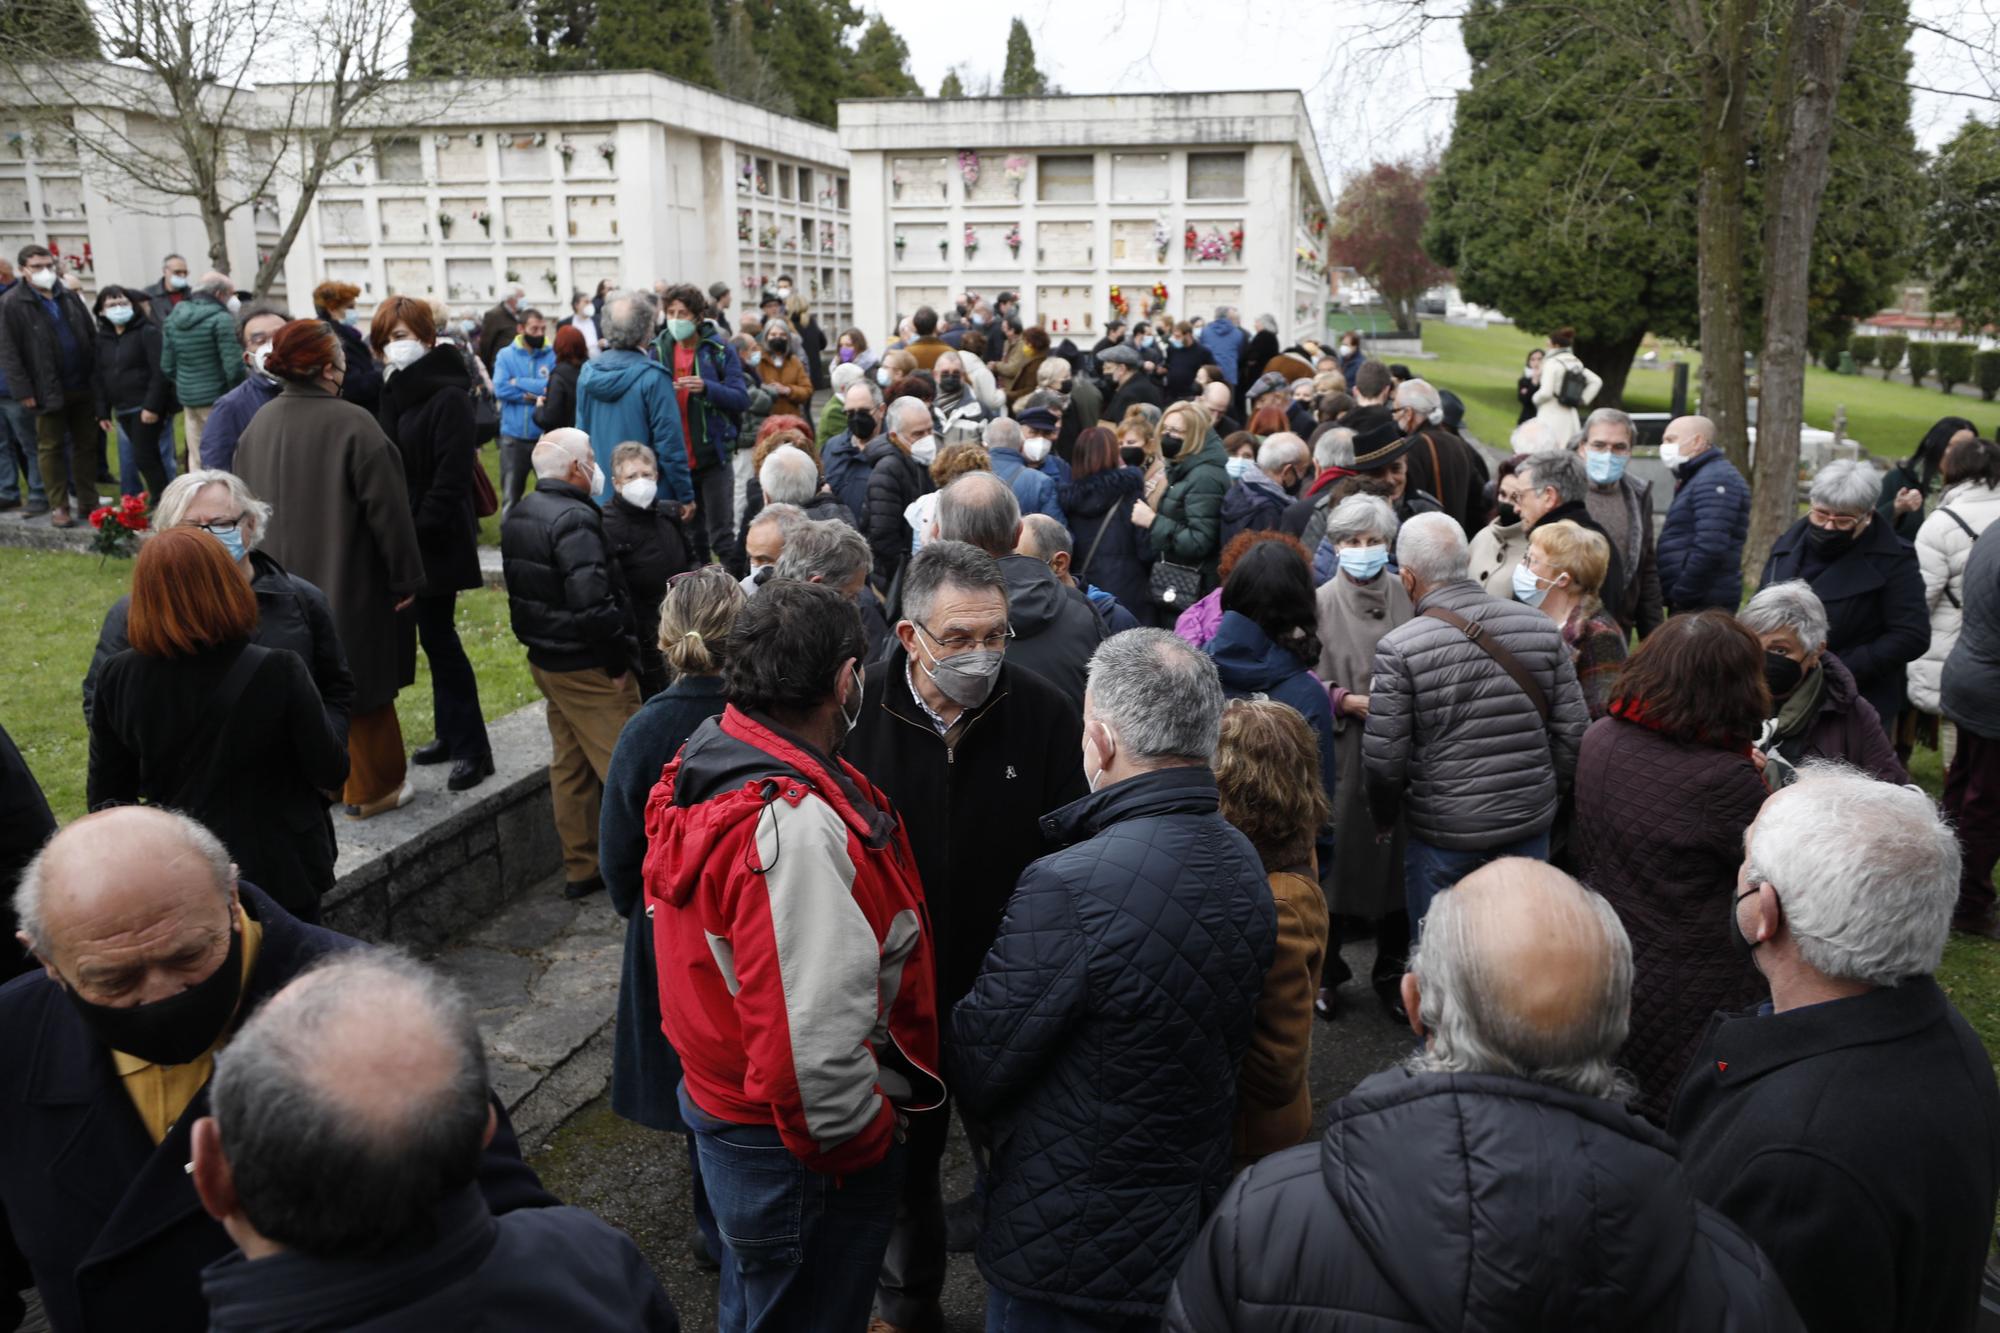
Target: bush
[
  {"x": 1923, "y": 356},
  {"x": 1862, "y": 346},
  {"x": 1892, "y": 350},
  {"x": 1954, "y": 364},
  {"x": 1986, "y": 373},
  {"x": 1829, "y": 355}
]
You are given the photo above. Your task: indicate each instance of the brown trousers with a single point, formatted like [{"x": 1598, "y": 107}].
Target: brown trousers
[
  {"x": 587, "y": 710},
  {"x": 376, "y": 763}
]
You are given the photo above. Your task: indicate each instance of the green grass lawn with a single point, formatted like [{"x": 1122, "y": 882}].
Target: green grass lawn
[
  {"x": 1481, "y": 366},
  {"x": 52, "y": 604}
]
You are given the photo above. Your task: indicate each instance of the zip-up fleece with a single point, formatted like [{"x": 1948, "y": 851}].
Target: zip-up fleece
[{"x": 793, "y": 943}]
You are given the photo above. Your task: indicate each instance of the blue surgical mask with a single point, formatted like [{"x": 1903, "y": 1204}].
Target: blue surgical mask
[
  {"x": 1528, "y": 589},
  {"x": 118, "y": 314},
  {"x": 1362, "y": 563},
  {"x": 231, "y": 539},
  {"x": 1239, "y": 468},
  {"x": 1604, "y": 466}
]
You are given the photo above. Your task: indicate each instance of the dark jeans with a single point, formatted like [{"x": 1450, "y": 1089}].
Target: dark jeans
[
  {"x": 715, "y": 514},
  {"x": 912, "y": 1283},
  {"x": 1008, "y": 1313},
  {"x": 516, "y": 455},
  {"x": 1429, "y": 871},
  {"x": 1972, "y": 802},
  {"x": 454, "y": 689},
  {"x": 145, "y": 455},
  {"x": 801, "y": 1250},
  {"x": 18, "y": 454}
]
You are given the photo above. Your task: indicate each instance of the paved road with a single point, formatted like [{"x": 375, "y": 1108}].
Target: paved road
[{"x": 638, "y": 1179}]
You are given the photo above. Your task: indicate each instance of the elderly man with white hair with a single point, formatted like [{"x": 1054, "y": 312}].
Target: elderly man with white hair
[
  {"x": 1818, "y": 714},
  {"x": 1258, "y": 499},
  {"x": 1877, "y": 617},
  {"x": 1502, "y": 719},
  {"x": 1851, "y": 1125},
  {"x": 1494, "y": 1179},
  {"x": 1440, "y": 462},
  {"x": 837, "y": 555},
  {"x": 150, "y": 953},
  {"x": 570, "y": 608},
  {"x": 623, "y": 394}
]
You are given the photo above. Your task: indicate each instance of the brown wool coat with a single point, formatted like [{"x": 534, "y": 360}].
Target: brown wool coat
[
  {"x": 340, "y": 519},
  {"x": 1273, "y": 1101}
]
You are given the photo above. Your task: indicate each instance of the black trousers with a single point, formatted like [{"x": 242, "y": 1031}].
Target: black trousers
[
  {"x": 911, "y": 1287},
  {"x": 454, "y": 689}
]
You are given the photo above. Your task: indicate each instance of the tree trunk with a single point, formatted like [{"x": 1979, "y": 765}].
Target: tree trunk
[
  {"x": 1611, "y": 358},
  {"x": 1402, "y": 310},
  {"x": 216, "y": 222},
  {"x": 309, "y": 182},
  {"x": 1813, "y": 62},
  {"x": 1721, "y": 249}
]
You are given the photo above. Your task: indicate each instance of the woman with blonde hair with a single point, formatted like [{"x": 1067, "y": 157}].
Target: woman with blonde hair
[
  {"x": 1185, "y": 523},
  {"x": 696, "y": 616},
  {"x": 1562, "y": 574},
  {"x": 1267, "y": 769}
]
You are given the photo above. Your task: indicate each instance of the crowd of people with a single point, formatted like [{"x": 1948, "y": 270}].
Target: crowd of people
[{"x": 1020, "y": 738}]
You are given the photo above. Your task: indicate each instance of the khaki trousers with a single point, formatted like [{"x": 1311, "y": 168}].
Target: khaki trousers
[
  {"x": 195, "y": 418},
  {"x": 587, "y": 710}
]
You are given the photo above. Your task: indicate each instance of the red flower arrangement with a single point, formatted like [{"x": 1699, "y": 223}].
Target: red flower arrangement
[
  {"x": 1236, "y": 242},
  {"x": 118, "y": 529},
  {"x": 1158, "y": 301},
  {"x": 1120, "y": 307},
  {"x": 1189, "y": 240}
]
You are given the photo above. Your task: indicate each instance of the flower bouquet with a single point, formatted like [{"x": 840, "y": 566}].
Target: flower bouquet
[
  {"x": 1156, "y": 299},
  {"x": 118, "y": 528},
  {"x": 608, "y": 150},
  {"x": 1236, "y": 242},
  {"x": 968, "y": 167},
  {"x": 971, "y": 241},
  {"x": 567, "y": 147},
  {"x": 1120, "y": 307},
  {"x": 1189, "y": 240},
  {"x": 1213, "y": 249},
  {"x": 484, "y": 219},
  {"x": 1016, "y": 171},
  {"x": 1013, "y": 239}
]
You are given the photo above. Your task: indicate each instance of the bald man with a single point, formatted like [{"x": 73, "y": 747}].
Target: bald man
[
  {"x": 342, "y": 1152},
  {"x": 1700, "y": 551},
  {"x": 1496, "y": 1178},
  {"x": 151, "y": 952}
]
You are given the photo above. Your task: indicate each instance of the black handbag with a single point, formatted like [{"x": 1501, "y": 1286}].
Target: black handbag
[{"x": 1175, "y": 587}]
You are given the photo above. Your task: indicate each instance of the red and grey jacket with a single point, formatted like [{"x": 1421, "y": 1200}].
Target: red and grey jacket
[{"x": 793, "y": 944}]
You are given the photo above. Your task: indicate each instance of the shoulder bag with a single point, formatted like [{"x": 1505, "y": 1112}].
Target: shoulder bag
[
  {"x": 1498, "y": 652},
  {"x": 1966, "y": 528}
]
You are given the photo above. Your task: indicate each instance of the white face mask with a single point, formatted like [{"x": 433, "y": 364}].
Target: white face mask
[
  {"x": 1035, "y": 449},
  {"x": 402, "y": 352},
  {"x": 44, "y": 278},
  {"x": 639, "y": 492},
  {"x": 924, "y": 450},
  {"x": 882, "y": 377},
  {"x": 1670, "y": 455},
  {"x": 258, "y": 356},
  {"x": 234, "y": 304}
]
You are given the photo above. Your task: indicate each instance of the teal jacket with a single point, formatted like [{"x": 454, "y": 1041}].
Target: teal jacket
[{"x": 199, "y": 351}]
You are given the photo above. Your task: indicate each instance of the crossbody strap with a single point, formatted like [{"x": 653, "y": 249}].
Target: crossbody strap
[
  {"x": 1084, "y": 568},
  {"x": 1966, "y": 528},
  {"x": 1498, "y": 652}
]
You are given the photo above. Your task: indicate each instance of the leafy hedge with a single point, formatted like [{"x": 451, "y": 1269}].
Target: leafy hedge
[
  {"x": 1986, "y": 373},
  {"x": 1954, "y": 365},
  {"x": 1863, "y": 346},
  {"x": 1923, "y": 357},
  {"x": 1893, "y": 348}
]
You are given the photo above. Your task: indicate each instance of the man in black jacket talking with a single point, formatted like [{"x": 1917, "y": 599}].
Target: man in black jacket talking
[{"x": 570, "y": 609}]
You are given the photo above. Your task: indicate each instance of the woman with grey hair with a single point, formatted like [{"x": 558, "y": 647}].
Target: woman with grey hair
[
  {"x": 291, "y": 613},
  {"x": 1867, "y": 578},
  {"x": 1818, "y": 712},
  {"x": 1360, "y": 604}
]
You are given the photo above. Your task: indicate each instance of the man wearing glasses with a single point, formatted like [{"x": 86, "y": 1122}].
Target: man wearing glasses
[
  {"x": 1700, "y": 551},
  {"x": 973, "y": 750}
]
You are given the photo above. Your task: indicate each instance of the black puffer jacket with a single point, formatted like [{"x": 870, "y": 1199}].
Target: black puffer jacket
[
  {"x": 1474, "y": 1202},
  {"x": 426, "y": 411},
  {"x": 1102, "y": 1041},
  {"x": 1122, "y": 559},
  {"x": 565, "y": 594},
  {"x": 128, "y": 370},
  {"x": 1056, "y": 629},
  {"x": 894, "y": 480}
]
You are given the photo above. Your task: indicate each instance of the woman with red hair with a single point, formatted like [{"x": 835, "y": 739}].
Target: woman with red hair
[
  {"x": 558, "y": 406},
  {"x": 327, "y": 467},
  {"x": 196, "y": 717}
]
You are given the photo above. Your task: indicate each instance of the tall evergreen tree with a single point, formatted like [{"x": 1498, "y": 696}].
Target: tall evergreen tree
[
  {"x": 1021, "y": 77},
  {"x": 674, "y": 37},
  {"x": 880, "y": 66},
  {"x": 453, "y": 38},
  {"x": 59, "y": 28},
  {"x": 805, "y": 42},
  {"x": 741, "y": 68},
  {"x": 952, "y": 86}
]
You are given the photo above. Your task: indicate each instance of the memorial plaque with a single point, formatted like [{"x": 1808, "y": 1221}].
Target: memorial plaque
[
  {"x": 405, "y": 219},
  {"x": 1066, "y": 178},
  {"x": 1140, "y": 178},
  {"x": 399, "y": 160},
  {"x": 1065, "y": 244},
  {"x": 527, "y": 218},
  {"x": 1214, "y": 241},
  {"x": 343, "y": 222},
  {"x": 460, "y": 158},
  {"x": 408, "y": 277},
  {"x": 535, "y": 272},
  {"x": 992, "y": 249},
  {"x": 923, "y": 245},
  {"x": 15, "y": 205},
  {"x": 469, "y": 280},
  {"x": 464, "y": 211},
  {"x": 1202, "y": 300},
  {"x": 1002, "y": 176},
  {"x": 920, "y": 180},
  {"x": 355, "y": 271},
  {"x": 62, "y": 197},
  {"x": 1065, "y": 309},
  {"x": 1215, "y": 176},
  {"x": 909, "y": 298},
  {"x": 524, "y": 157},
  {"x": 843, "y": 243},
  {"x": 593, "y": 217},
  {"x": 1134, "y": 241},
  {"x": 586, "y": 271},
  {"x": 55, "y": 141}
]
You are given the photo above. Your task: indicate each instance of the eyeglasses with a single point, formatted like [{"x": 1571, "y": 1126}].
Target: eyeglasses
[
  {"x": 220, "y": 527},
  {"x": 962, "y": 643},
  {"x": 1822, "y": 517}
]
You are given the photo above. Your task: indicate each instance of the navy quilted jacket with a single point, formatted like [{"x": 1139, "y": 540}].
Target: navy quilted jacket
[
  {"x": 1102, "y": 1040},
  {"x": 1701, "y": 546}
]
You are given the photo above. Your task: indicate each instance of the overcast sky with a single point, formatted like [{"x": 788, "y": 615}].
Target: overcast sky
[{"x": 1320, "y": 48}]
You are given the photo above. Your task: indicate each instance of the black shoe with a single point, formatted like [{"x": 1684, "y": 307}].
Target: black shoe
[
  {"x": 35, "y": 509},
  {"x": 698, "y": 1249},
  {"x": 437, "y": 752},
  {"x": 583, "y": 888},
  {"x": 961, "y": 1225},
  {"x": 469, "y": 773},
  {"x": 6, "y": 505},
  {"x": 1327, "y": 1004},
  {"x": 1391, "y": 998}
]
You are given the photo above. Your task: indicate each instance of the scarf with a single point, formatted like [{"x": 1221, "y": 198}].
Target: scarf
[
  {"x": 1635, "y": 711},
  {"x": 1327, "y": 477},
  {"x": 1797, "y": 709}
]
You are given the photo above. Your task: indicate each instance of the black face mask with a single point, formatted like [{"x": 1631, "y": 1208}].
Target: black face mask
[
  {"x": 1746, "y": 947},
  {"x": 1171, "y": 446},
  {"x": 1782, "y": 674},
  {"x": 533, "y": 342},
  {"x": 779, "y": 346},
  {"x": 1131, "y": 455},
  {"x": 1509, "y": 515},
  {"x": 861, "y": 425},
  {"x": 1829, "y": 544},
  {"x": 175, "y": 1030},
  {"x": 950, "y": 383}
]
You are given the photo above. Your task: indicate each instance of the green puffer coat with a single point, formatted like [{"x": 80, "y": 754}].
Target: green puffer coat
[
  {"x": 1188, "y": 527},
  {"x": 199, "y": 351}
]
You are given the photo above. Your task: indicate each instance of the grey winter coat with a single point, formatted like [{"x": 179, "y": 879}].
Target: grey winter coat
[
  {"x": 1453, "y": 740},
  {"x": 1970, "y": 689}
]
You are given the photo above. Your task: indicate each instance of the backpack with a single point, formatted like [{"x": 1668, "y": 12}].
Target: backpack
[{"x": 1570, "y": 392}]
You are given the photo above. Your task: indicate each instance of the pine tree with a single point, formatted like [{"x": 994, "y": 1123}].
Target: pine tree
[
  {"x": 952, "y": 86},
  {"x": 880, "y": 65},
  {"x": 741, "y": 68},
  {"x": 453, "y": 38},
  {"x": 805, "y": 43},
  {"x": 674, "y": 37},
  {"x": 1021, "y": 78},
  {"x": 49, "y": 29}
]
